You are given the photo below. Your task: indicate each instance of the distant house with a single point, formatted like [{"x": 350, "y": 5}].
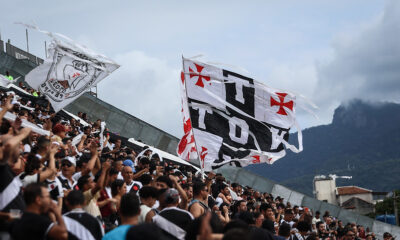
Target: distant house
[{"x": 355, "y": 198}]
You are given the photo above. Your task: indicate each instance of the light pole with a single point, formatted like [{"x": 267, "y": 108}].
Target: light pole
[{"x": 396, "y": 214}]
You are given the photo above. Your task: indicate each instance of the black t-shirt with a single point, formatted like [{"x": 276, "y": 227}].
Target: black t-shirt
[{"x": 31, "y": 226}]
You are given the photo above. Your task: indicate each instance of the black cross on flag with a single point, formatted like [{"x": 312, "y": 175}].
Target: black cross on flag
[{"x": 232, "y": 119}]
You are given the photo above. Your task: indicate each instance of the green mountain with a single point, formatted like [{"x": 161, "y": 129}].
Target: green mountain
[{"x": 363, "y": 141}]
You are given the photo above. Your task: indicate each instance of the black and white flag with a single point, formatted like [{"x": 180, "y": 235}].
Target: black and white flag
[
  {"x": 235, "y": 119},
  {"x": 70, "y": 71}
]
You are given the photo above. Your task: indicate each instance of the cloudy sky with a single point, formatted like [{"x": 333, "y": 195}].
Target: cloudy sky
[{"x": 330, "y": 51}]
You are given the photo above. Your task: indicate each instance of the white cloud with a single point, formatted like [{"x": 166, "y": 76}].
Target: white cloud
[
  {"x": 365, "y": 63},
  {"x": 147, "y": 88}
]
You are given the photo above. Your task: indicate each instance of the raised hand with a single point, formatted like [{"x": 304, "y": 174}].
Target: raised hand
[
  {"x": 8, "y": 106},
  {"x": 53, "y": 149}
]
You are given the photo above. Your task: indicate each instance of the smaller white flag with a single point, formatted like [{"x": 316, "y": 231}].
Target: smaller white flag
[{"x": 70, "y": 71}]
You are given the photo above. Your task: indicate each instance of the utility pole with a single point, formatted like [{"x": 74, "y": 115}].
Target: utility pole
[
  {"x": 396, "y": 214},
  {"x": 27, "y": 40},
  {"x": 45, "y": 49}
]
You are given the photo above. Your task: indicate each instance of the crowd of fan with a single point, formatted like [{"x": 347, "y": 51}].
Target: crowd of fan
[{"x": 79, "y": 184}]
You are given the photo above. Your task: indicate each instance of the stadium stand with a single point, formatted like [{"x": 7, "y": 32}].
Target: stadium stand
[{"x": 175, "y": 194}]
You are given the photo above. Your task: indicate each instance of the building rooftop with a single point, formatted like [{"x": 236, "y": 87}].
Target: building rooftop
[{"x": 349, "y": 190}]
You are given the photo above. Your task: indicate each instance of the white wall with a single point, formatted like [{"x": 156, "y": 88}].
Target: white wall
[
  {"x": 325, "y": 190},
  {"x": 364, "y": 196}
]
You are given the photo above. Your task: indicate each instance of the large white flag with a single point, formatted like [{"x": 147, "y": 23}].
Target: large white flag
[
  {"x": 70, "y": 71},
  {"x": 233, "y": 119}
]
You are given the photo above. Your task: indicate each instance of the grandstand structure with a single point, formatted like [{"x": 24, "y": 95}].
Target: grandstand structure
[{"x": 19, "y": 63}]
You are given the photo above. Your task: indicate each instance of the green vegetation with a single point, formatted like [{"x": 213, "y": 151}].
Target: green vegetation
[{"x": 363, "y": 141}]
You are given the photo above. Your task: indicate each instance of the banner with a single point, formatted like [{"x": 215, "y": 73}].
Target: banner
[
  {"x": 186, "y": 147},
  {"x": 70, "y": 71},
  {"x": 233, "y": 119}
]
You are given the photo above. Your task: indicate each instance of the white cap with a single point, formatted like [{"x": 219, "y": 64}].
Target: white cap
[{"x": 71, "y": 160}]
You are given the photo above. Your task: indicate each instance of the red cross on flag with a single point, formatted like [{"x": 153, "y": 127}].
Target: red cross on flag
[
  {"x": 233, "y": 119},
  {"x": 203, "y": 81},
  {"x": 274, "y": 106}
]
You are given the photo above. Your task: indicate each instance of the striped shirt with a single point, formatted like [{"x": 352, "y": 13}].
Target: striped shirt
[
  {"x": 82, "y": 225},
  {"x": 174, "y": 221},
  {"x": 10, "y": 190}
]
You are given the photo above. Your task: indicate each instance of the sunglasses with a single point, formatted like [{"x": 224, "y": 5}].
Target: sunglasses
[{"x": 68, "y": 164}]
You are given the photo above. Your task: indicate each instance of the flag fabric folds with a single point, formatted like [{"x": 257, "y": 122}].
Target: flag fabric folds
[
  {"x": 70, "y": 71},
  {"x": 233, "y": 119}
]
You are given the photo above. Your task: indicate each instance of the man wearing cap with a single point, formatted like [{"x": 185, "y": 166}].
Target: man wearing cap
[
  {"x": 68, "y": 165},
  {"x": 172, "y": 220}
]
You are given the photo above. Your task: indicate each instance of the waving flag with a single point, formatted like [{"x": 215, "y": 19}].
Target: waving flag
[
  {"x": 70, "y": 71},
  {"x": 233, "y": 119},
  {"x": 186, "y": 148}
]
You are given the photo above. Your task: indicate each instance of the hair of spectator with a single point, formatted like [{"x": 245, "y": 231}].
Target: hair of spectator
[
  {"x": 31, "y": 192},
  {"x": 236, "y": 234},
  {"x": 198, "y": 187},
  {"x": 312, "y": 236},
  {"x": 130, "y": 205},
  {"x": 166, "y": 180},
  {"x": 82, "y": 181},
  {"x": 5, "y": 126},
  {"x": 265, "y": 206},
  {"x": 32, "y": 163},
  {"x": 145, "y": 179},
  {"x": 288, "y": 211},
  {"x": 115, "y": 186},
  {"x": 236, "y": 224},
  {"x": 185, "y": 186},
  {"x": 303, "y": 226},
  {"x": 148, "y": 192},
  {"x": 284, "y": 230},
  {"x": 144, "y": 160},
  {"x": 75, "y": 198},
  {"x": 319, "y": 223},
  {"x": 348, "y": 229},
  {"x": 113, "y": 171},
  {"x": 247, "y": 217},
  {"x": 268, "y": 225},
  {"x": 145, "y": 231}
]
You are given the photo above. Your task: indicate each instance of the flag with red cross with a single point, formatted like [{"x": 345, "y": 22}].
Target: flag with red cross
[{"x": 233, "y": 119}]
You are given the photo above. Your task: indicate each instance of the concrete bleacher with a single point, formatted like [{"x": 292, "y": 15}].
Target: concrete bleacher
[{"x": 129, "y": 126}]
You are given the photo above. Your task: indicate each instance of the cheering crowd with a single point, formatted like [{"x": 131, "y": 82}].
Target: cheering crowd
[{"x": 83, "y": 182}]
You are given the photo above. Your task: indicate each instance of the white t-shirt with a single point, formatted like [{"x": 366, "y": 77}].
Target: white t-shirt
[
  {"x": 315, "y": 220},
  {"x": 28, "y": 179},
  {"x": 128, "y": 187},
  {"x": 120, "y": 176},
  {"x": 143, "y": 213},
  {"x": 290, "y": 223},
  {"x": 27, "y": 148},
  {"x": 55, "y": 188}
]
